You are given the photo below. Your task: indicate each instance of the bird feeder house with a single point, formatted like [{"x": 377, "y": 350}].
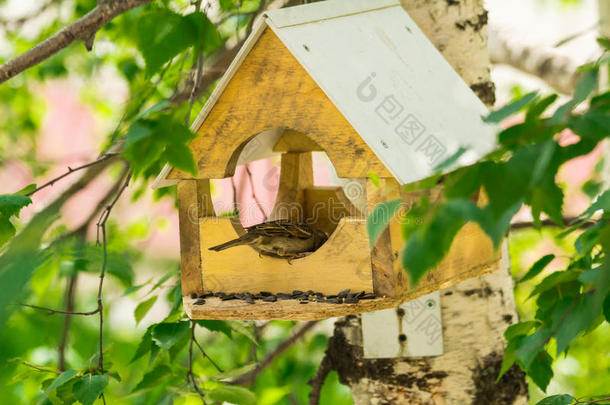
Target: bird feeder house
[{"x": 360, "y": 81}]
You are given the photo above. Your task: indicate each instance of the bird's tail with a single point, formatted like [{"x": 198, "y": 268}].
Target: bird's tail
[{"x": 226, "y": 245}]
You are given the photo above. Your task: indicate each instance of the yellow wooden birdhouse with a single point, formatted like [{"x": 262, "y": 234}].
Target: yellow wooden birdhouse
[{"x": 359, "y": 81}]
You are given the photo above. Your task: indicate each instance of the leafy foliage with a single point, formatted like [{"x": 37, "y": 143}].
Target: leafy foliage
[
  {"x": 522, "y": 171},
  {"x": 154, "y": 50}
]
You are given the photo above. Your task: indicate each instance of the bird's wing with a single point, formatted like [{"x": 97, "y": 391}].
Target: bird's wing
[{"x": 282, "y": 228}]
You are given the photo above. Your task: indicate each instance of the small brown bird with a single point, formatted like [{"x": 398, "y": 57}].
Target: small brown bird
[{"x": 282, "y": 238}]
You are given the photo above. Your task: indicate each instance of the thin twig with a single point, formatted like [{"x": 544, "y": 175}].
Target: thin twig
[
  {"x": 197, "y": 72},
  {"x": 56, "y": 311},
  {"x": 83, "y": 29},
  {"x": 256, "y": 200},
  {"x": 101, "y": 159},
  {"x": 594, "y": 401},
  {"x": 61, "y": 348},
  {"x": 190, "y": 378},
  {"x": 37, "y": 368},
  {"x": 101, "y": 227},
  {"x": 549, "y": 223},
  {"x": 249, "y": 377},
  {"x": 204, "y": 354},
  {"x": 260, "y": 9},
  {"x": 317, "y": 381}
]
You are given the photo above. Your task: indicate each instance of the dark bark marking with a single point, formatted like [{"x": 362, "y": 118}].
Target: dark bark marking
[
  {"x": 476, "y": 23},
  {"x": 511, "y": 385},
  {"x": 486, "y": 91}
]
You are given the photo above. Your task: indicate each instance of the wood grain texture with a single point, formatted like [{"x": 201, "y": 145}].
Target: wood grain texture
[
  {"x": 190, "y": 257},
  {"x": 325, "y": 206},
  {"x": 296, "y": 175},
  {"x": 272, "y": 90},
  {"x": 214, "y": 308},
  {"x": 342, "y": 262},
  {"x": 292, "y": 141}
]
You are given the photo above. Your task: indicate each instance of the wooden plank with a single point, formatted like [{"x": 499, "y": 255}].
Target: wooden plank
[
  {"x": 272, "y": 90},
  {"x": 325, "y": 206},
  {"x": 296, "y": 175},
  {"x": 188, "y": 217},
  {"x": 388, "y": 276},
  {"x": 342, "y": 262},
  {"x": 292, "y": 141},
  {"x": 214, "y": 308}
]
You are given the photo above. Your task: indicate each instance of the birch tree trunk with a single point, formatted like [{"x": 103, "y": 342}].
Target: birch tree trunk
[{"x": 475, "y": 313}]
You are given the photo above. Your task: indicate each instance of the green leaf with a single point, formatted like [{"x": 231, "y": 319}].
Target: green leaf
[
  {"x": 380, "y": 218},
  {"x": 145, "y": 345},
  {"x": 375, "y": 179},
  {"x": 181, "y": 157},
  {"x": 519, "y": 329},
  {"x": 143, "y": 308},
  {"x": 21, "y": 257},
  {"x": 216, "y": 326},
  {"x": 60, "y": 380},
  {"x": 510, "y": 109},
  {"x": 572, "y": 316},
  {"x": 531, "y": 346},
  {"x": 604, "y": 43},
  {"x": 584, "y": 87},
  {"x": 602, "y": 202},
  {"x": 153, "y": 377},
  {"x": 241, "y": 328},
  {"x": 562, "y": 399},
  {"x": 463, "y": 182},
  {"x": 606, "y": 308},
  {"x": 11, "y": 204},
  {"x": 168, "y": 334},
  {"x": 535, "y": 110},
  {"x": 509, "y": 356},
  {"x": 553, "y": 279},
  {"x": 233, "y": 394},
  {"x": 540, "y": 370},
  {"x": 7, "y": 230},
  {"x": 89, "y": 388},
  {"x": 27, "y": 189},
  {"x": 450, "y": 161},
  {"x": 162, "y": 34},
  {"x": 537, "y": 267},
  {"x": 235, "y": 372}
]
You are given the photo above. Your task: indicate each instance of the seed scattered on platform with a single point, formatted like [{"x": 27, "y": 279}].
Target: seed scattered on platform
[
  {"x": 343, "y": 293},
  {"x": 304, "y": 297}
]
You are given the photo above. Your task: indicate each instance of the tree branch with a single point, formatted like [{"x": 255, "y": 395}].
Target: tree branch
[
  {"x": 101, "y": 226},
  {"x": 204, "y": 354},
  {"x": 83, "y": 29},
  {"x": 219, "y": 62},
  {"x": 63, "y": 341},
  {"x": 556, "y": 70},
  {"x": 548, "y": 223},
  {"x": 101, "y": 159},
  {"x": 317, "y": 381},
  {"x": 249, "y": 377},
  {"x": 190, "y": 377}
]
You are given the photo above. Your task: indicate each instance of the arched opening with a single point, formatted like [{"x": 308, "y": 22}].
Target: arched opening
[{"x": 283, "y": 174}]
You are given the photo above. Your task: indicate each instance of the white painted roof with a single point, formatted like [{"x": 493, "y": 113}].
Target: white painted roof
[{"x": 387, "y": 79}]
